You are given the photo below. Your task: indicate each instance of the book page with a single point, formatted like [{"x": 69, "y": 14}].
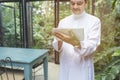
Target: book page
[{"x": 78, "y": 32}]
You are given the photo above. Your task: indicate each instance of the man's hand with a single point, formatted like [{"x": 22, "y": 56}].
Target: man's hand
[{"x": 70, "y": 38}]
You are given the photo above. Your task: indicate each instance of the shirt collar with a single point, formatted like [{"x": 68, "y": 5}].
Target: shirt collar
[{"x": 79, "y": 15}]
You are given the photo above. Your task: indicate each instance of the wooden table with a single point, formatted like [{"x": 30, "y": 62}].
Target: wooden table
[{"x": 26, "y": 58}]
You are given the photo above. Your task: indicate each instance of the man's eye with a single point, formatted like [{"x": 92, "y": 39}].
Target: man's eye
[
  {"x": 79, "y": 3},
  {"x": 72, "y": 3}
]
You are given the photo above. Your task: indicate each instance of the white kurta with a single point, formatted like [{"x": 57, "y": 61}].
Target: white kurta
[{"x": 75, "y": 63}]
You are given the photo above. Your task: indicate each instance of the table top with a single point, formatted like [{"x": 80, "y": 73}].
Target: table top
[{"x": 22, "y": 55}]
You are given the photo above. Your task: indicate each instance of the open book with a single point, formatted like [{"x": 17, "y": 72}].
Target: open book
[{"x": 78, "y": 32}]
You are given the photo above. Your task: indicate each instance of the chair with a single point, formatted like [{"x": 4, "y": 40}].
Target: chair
[{"x": 4, "y": 69}]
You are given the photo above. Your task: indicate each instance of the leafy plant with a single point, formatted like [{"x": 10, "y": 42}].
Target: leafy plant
[{"x": 110, "y": 70}]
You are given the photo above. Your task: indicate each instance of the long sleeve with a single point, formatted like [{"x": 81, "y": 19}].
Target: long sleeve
[
  {"x": 55, "y": 42},
  {"x": 93, "y": 40}
]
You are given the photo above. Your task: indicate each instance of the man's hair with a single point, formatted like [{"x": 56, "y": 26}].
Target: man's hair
[{"x": 86, "y": 1}]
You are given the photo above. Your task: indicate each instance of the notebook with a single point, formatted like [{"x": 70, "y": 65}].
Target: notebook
[{"x": 78, "y": 32}]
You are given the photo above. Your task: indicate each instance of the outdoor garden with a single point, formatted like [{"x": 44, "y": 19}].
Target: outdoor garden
[{"x": 107, "y": 56}]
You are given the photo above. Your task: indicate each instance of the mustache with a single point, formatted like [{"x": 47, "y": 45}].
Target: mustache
[{"x": 76, "y": 9}]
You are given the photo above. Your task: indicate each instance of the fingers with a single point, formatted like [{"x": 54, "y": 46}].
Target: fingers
[
  {"x": 59, "y": 35},
  {"x": 71, "y": 33},
  {"x": 64, "y": 37}
]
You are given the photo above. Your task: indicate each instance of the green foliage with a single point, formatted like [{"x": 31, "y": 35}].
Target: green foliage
[
  {"x": 8, "y": 25},
  {"x": 107, "y": 56},
  {"x": 11, "y": 35},
  {"x": 43, "y": 38},
  {"x": 117, "y": 21},
  {"x": 110, "y": 74},
  {"x": 111, "y": 51},
  {"x": 111, "y": 69},
  {"x": 108, "y": 24},
  {"x": 43, "y": 22},
  {"x": 116, "y": 53},
  {"x": 64, "y": 10}
]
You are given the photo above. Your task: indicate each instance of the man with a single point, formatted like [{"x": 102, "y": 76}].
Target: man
[{"x": 76, "y": 57}]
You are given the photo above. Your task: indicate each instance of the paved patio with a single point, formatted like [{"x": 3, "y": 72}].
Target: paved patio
[{"x": 53, "y": 70}]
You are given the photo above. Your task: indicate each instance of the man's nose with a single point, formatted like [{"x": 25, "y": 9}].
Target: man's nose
[{"x": 75, "y": 6}]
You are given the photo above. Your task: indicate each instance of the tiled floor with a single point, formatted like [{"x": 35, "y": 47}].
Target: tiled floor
[{"x": 53, "y": 70}]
